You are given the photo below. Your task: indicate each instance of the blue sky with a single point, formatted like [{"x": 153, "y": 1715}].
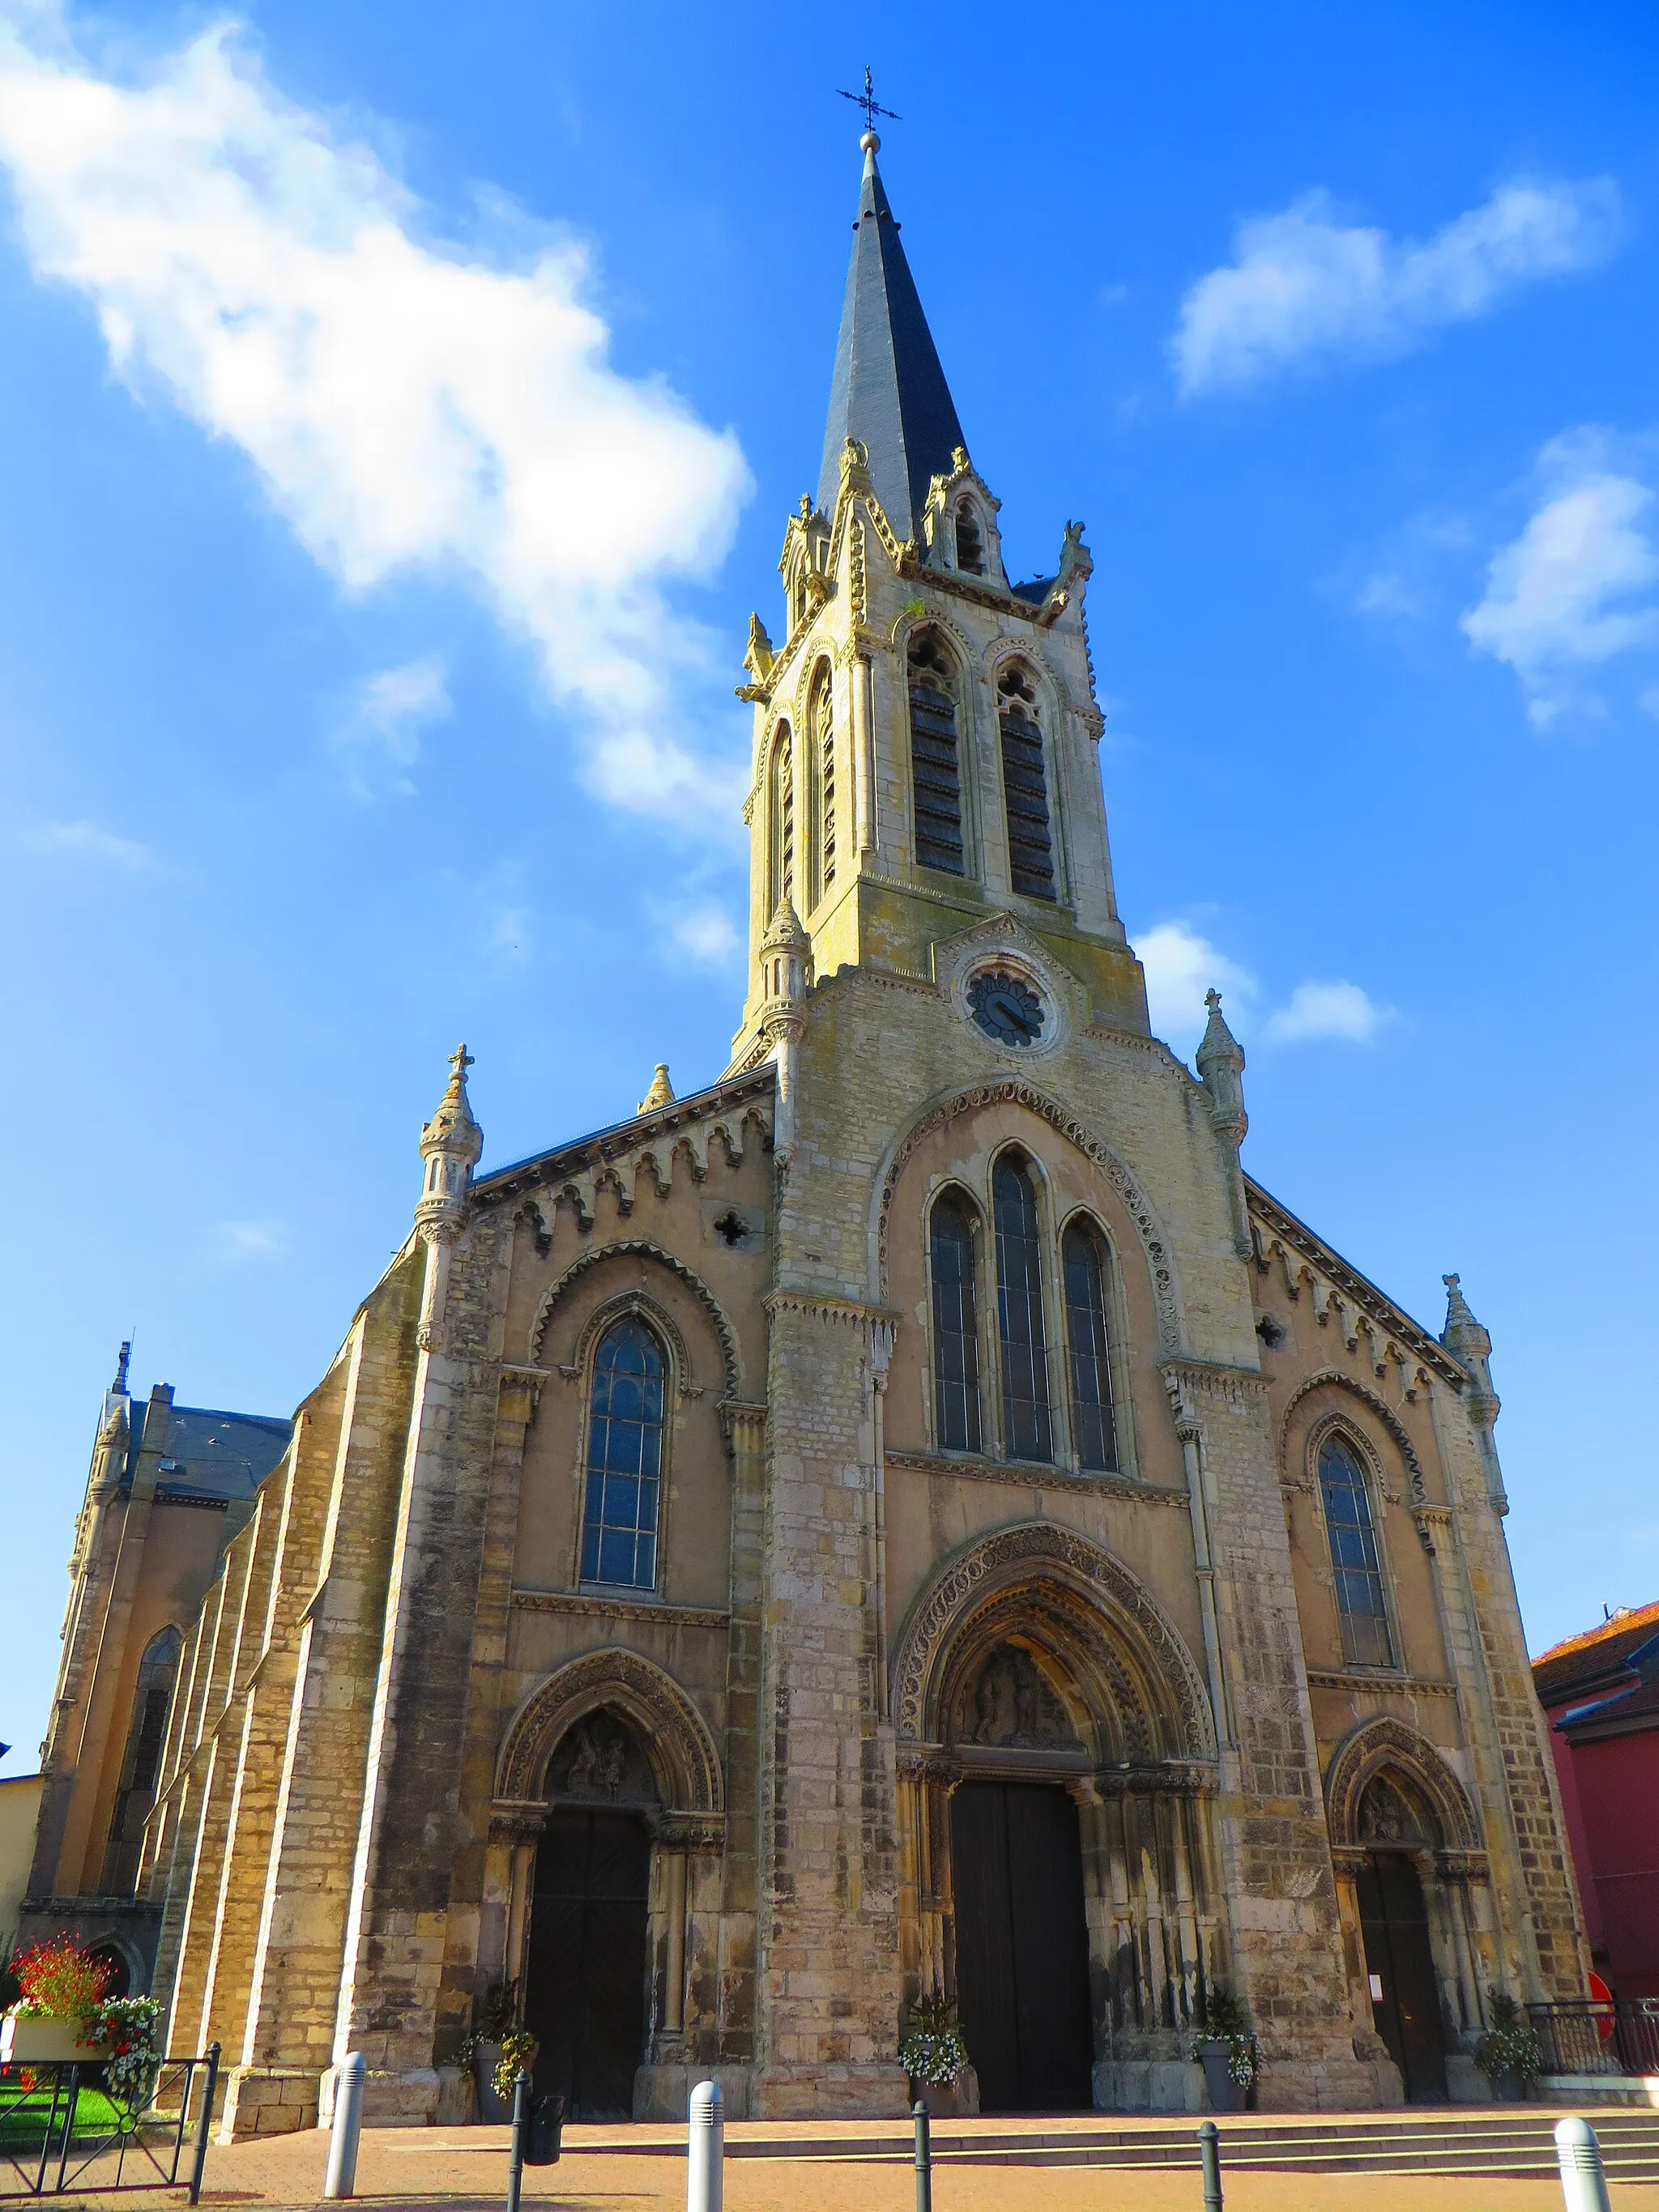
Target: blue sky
[{"x": 398, "y": 416}]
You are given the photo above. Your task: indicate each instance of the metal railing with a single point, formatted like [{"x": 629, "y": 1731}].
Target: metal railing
[
  {"x": 1622, "y": 2037},
  {"x": 61, "y": 2130}
]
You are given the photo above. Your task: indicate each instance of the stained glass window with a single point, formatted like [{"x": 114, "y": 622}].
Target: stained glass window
[
  {"x": 1365, "y": 1639},
  {"x": 1027, "y": 1429},
  {"x": 624, "y": 1459},
  {"x": 956, "y": 1328},
  {"x": 1094, "y": 1426}
]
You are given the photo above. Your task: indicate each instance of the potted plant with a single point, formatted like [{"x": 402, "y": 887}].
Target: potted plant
[
  {"x": 54, "y": 2018},
  {"x": 1508, "y": 2053},
  {"x": 933, "y": 2053},
  {"x": 1227, "y": 2052},
  {"x": 129, "y": 2028},
  {"x": 494, "y": 2016}
]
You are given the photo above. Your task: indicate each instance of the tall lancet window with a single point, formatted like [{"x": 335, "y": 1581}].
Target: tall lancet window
[
  {"x": 1027, "y": 1429},
  {"x": 624, "y": 1459},
  {"x": 151, "y": 1701},
  {"x": 780, "y": 812},
  {"x": 1025, "y": 785},
  {"x": 970, "y": 545},
  {"x": 1094, "y": 1423},
  {"x": 935, "y": 773},
  {"x": 821, "y": 723},
  {"x": 1365, "y": 1638},
  {"x": 956, "y": 1326}
]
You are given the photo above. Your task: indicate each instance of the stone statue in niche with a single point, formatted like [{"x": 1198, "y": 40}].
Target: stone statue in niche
[
  {"x": 600, "y": 1761},
  {"x": 1385, "y": 1817},
  {"x": 1012, "y": 1707}
]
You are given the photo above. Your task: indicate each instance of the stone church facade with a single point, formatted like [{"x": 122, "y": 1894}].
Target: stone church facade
[{"x": 911, "y": 1520}]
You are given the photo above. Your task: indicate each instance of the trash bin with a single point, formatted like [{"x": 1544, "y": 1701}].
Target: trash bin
[{"x": 546, "y": 2121}]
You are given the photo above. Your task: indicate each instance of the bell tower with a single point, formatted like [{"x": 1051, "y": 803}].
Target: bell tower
[{"x": 925, "y": 734}]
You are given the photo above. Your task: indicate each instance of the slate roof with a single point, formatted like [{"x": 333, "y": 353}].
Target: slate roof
[
  {"x": 205, "y": 1453},
  {"x": 887, "y": 391}
]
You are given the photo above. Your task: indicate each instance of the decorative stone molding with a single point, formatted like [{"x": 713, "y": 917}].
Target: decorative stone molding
[
  {"x": 1015, "y": 1090},
  {"x": 656, "y": 1317},
  {"x": 641, "y": 1247},
  {"x": 850, "y": 1313},
  {"x": 1371, "y": 1749},
  {"x": 1088, "y": 1593},
  {"x": 615, "y": 1154},
  {"x": 1336, "y": 1377},
  {"x": 683, "y": 1757},
  {"x": 584, "y": 1605},
  {"x": 1392, "y": 1686},
  {"x": 1309, "y": 1264},
  {"x": 1030, "y": 1474}
]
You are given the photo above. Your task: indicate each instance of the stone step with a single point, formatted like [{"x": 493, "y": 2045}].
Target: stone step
[{"x": 1517, "y": 2144}]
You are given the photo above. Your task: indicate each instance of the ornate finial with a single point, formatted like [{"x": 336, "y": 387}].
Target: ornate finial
[
  {"x": 866, "y": 100},
  {"x": 661, "y": 1092},
  {"x": 459, "y": 1060},
  {"x": 119, "y": 1385},
  {"x": 1212, "y": 998}
]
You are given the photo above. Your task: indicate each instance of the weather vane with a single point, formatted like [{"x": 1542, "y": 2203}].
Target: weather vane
[{"x": 866, "y": 100}]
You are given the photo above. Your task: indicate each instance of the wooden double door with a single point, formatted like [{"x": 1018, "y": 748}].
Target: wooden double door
[
  {"x": 1022, "y": 1946},
  {"x": 1394, "y": 1921},
  {"x": 585, "y": 1963}
]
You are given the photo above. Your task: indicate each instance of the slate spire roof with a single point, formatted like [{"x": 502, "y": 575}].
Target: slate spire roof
[{"x": 889, "y": 390}]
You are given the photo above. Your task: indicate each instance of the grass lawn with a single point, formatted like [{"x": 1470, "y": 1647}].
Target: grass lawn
[{"x": 24, "y": 2115}]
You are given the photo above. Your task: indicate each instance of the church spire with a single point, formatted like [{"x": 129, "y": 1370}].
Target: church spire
[{"x": 887, "y": 391}]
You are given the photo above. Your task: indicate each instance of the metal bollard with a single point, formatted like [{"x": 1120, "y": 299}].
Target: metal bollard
[
  {"x": 520, "y": 2133},
  {"x": 705, "y": 2150},
  {"x": 1584, "y": 2185},
  {"x": 346, "y": 2126},
  {"x": 1209, "y": 2153},
  {"x": 198, "y": 2165},
  {"x": 924, "y": 2158}
]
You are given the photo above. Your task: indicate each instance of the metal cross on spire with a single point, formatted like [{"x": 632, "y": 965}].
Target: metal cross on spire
[{"x": 866, "y": 100}]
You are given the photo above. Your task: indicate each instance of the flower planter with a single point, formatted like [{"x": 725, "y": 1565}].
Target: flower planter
[
  {"x": 945, "y": 2100},
  {"x": 28, "y": 2040},
  {"x": 494, "y": 2111},
  {"x": 1507, "y": 2087},
  {"x": 1226, "y": 2095}
]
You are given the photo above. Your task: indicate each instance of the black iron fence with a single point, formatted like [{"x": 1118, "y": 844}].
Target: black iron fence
[
  {"x": 1615, "y": 2037},
  {"x": 60, "y": 2128}
]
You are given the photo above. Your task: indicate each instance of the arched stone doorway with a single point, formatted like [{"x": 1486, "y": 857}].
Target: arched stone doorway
[
  {"x": 1412, "y": 1890},
  {"x": 1056, "y": 1766},
  {"x": 585, "y": 1953},
  {"x": 605, "y": 1844}
]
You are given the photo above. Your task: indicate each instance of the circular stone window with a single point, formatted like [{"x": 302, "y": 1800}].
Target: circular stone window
[{"x": 1006, "y": 1006}]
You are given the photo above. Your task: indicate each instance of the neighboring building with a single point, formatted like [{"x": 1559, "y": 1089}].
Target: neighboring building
[
  {"x": 20, "y": 1808},
  {"x": 909, "y": 1520},
  {"x": 168, "y": 1488},
  {"x": 1600, "y": 1692}
]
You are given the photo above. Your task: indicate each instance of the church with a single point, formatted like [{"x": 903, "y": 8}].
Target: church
[{"x": 911, "y": 1521}]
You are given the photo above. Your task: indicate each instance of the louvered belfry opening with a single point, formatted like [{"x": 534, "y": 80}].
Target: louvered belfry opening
[
  {"x": 935, "y": 771},
  {"x": 1025, "y": 785},
  {"x": 970, "y": 546}
]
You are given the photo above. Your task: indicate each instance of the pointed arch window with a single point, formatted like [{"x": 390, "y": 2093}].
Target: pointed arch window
[
  {"x": 822, "y": 728},
  {"x": 970, "y": 542},
  {"x": 956, "y": 1325},
  {"x": 780, "y": 858},
  {"x": 1094, "y": 1419},
  {"x": 1358, "y": 1570},
  {"x": 935, "y": 772},
  {"x": 624, "y": 1458},
  {"x": 1027, "y": 1426},
  {"x": 1025, "y": 785},
  {"x": 151, "y": 1701}
]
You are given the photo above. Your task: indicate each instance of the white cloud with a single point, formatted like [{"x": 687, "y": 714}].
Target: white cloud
[
  {"x": 1579, "y": 585},
  {"x": 1181, "y": 966},
  {"x": 405, "y": 405},
  {"x": 388, "y": 713},
  {"x": 1302, "y": 284},
  {"x": 1325, "y": 1010},
  {"x": 707, "y": 936},
  {"x": 249, "y": 1240},
  {"x": 86, "y": 841}
]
